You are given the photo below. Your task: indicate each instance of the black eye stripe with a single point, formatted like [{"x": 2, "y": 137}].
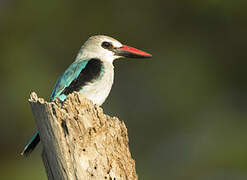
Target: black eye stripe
[{"x": 107, "y": 45}]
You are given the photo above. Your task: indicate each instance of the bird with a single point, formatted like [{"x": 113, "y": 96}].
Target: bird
[{"x": 91, "y": 74}]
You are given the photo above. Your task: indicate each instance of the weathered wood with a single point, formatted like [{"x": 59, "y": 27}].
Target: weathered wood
[{"x": 80, "y": 142}]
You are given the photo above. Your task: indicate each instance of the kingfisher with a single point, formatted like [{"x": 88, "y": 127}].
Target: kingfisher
[{"x": 91, "y": 74}]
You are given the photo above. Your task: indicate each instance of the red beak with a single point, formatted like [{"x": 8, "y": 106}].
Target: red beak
[{"x": 130, "y": 52}]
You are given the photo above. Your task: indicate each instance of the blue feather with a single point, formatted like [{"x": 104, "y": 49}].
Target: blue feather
[
  {"x": 31, "y": 144},
  {"x": 71, "y": 73}
]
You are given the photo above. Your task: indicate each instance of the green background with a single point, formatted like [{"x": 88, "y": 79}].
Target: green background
[{"x": 185, "y": 108}]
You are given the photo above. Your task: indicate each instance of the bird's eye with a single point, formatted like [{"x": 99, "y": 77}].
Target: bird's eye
[{"x": 106, "y": 45}]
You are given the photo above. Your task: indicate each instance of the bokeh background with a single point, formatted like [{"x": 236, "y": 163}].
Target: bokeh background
[{"x": 185, "y": 109}]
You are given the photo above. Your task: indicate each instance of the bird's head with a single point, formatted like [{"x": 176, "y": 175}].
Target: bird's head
[{"x": 108, "y": 49}]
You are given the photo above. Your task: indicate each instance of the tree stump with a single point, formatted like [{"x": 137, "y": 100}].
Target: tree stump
[{"x": 80, "y": 142}]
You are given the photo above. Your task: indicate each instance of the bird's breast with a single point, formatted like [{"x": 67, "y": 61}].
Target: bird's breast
[{"x": 98, "y": 90}]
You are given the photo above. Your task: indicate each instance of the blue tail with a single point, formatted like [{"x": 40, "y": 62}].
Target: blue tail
[{"x": 31, "y": 144}]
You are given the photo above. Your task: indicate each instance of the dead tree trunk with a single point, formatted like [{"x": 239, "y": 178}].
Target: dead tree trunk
[{"x": 80, "y": 142}]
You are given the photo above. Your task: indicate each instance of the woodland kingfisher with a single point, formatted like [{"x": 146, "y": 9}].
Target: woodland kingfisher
[{"x": 91, "y": 73}]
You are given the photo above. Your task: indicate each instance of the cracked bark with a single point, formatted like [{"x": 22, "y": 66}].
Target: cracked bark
[{"x": 80, "y": 141}]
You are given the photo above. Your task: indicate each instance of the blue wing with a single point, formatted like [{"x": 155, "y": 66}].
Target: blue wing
[{"x": 71, "y": 73}]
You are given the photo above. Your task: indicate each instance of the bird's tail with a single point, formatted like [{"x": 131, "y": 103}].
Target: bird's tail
[{"x": 31, "y": 144}]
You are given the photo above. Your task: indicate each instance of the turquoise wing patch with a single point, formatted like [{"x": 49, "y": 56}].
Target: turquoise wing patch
[{"x": 71, "y": 73}]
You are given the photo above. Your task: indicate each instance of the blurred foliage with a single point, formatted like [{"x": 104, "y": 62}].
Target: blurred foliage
[{"x": 185, "y": 108}]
